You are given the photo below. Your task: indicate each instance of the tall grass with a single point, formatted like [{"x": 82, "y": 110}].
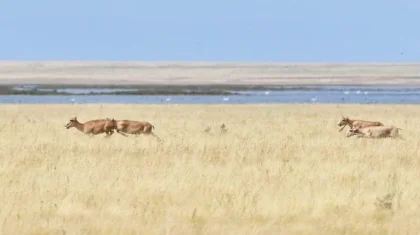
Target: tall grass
[{"x": 279, "y": 169}]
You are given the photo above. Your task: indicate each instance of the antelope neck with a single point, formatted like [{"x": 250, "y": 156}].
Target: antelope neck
[{"x": 79, "y": 126}]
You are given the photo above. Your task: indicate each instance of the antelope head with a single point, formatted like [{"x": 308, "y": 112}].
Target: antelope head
[
  {"x": 72, "y": 122},
  {"x": 344, "y": 121}
]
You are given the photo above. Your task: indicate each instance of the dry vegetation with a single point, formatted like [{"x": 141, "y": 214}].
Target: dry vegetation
[{"x": 279, "y": 169}]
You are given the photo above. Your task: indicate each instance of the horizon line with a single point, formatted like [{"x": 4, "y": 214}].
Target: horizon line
[{"x": 210, "y": 62}]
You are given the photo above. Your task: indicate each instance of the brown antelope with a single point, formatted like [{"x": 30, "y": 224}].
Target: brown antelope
[
  {"x": 223, "y": 128},
  {"x": 92, "y": 127},
  {"x": 357, "y": 123},
  {"x": 375, "y": 132},
  {"x": 124, "y": 127}
]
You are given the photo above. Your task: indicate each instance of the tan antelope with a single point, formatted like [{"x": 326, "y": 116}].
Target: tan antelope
[
  {"x": 374, "y": 132},
  {"x": 223, "y": 128},
  {"x": 124, "y": 127},
  {"x": 207, "y": 130},
  {"x": 92, "y": 127},
  {"x": 345, "y": 121}
]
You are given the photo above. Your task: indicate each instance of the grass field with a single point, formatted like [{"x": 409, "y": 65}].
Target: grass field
[{"x": 280, "y": 169}]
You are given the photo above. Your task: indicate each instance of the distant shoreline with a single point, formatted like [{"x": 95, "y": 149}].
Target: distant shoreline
[
  {"x": 201, "y": 73},
  {"x": 189, "y": 90}
]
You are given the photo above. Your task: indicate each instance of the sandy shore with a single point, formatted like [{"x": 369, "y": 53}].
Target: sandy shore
[{"x": 206, "y": 73}]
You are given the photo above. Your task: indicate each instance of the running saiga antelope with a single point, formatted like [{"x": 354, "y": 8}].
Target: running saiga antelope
[
  {"x": 375, "y": 132},
  {"x": 92, "y": 127},
  {"x": 133, "y": 127},
  {"x": 357, "y": 123}
]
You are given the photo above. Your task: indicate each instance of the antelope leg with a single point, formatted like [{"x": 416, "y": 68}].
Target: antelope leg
[
  {"x": 121, "y": 133},
  {"x": 157, "y": 137}
]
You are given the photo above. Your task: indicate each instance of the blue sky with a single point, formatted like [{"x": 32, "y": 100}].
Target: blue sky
[{"x": 217, "y": 30}]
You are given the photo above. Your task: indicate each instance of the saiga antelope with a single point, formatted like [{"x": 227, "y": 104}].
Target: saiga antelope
[
  {"x": 92, "y": 127},
  {"x": 124, "y": 127},
  {"x": 357, "y": 123},
  {"x": 375, "y": 132}
]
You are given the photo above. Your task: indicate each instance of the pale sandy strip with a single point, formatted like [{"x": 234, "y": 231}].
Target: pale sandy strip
[{"x": 205, "y": 73}]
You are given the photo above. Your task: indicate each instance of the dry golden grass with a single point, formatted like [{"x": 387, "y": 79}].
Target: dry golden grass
[{"x": 280, "y": 169}]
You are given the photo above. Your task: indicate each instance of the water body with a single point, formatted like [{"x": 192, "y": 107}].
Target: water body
[{"x": 307, "y": 94}]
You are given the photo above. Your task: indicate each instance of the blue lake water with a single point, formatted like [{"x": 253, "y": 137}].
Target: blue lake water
[
  {"x": 308, "y": 94},
  {"x": 314, "y": 94}
]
